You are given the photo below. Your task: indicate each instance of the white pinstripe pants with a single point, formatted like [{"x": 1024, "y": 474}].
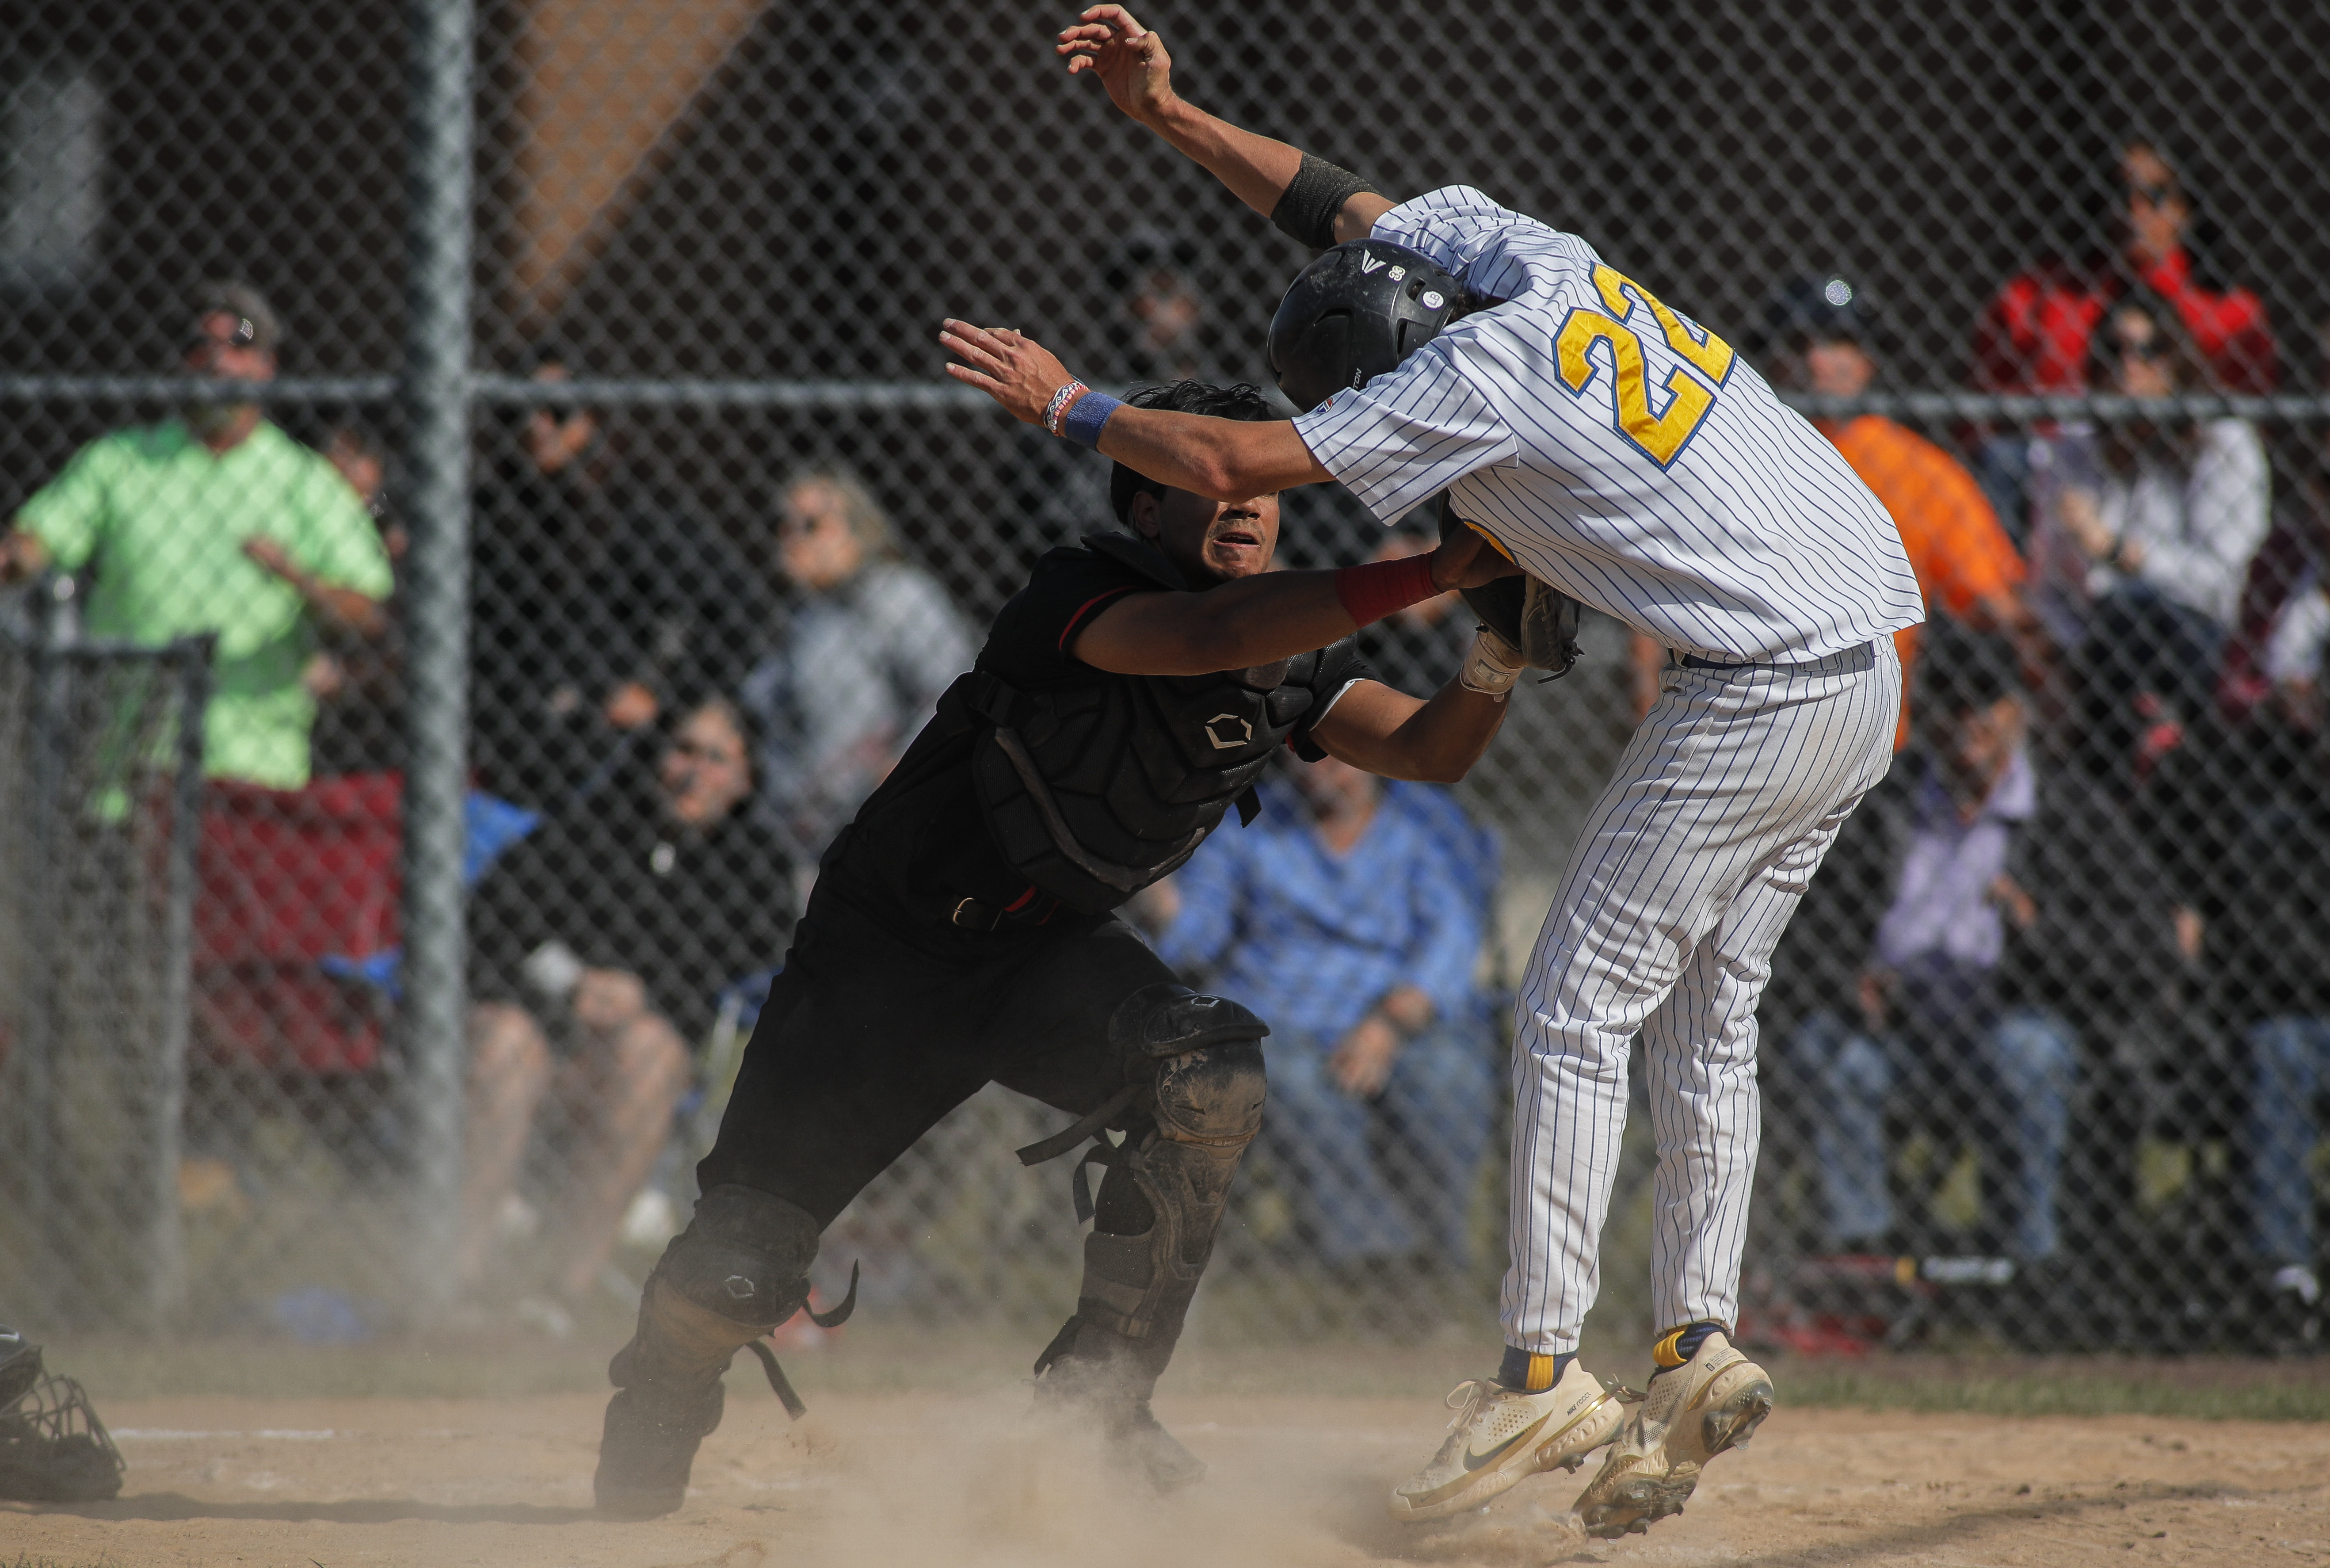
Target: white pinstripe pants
[{"x": 1728, "y": 797}]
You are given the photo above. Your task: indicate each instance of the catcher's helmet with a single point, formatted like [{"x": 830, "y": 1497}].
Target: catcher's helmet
[{"x": 1353, "y": 314}]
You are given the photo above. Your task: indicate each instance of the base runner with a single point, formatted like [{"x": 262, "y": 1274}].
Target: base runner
[{"x": 1624, "y": 456}]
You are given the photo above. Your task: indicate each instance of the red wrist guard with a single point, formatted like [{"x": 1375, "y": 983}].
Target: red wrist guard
[{"x": 1370, "y": 593}]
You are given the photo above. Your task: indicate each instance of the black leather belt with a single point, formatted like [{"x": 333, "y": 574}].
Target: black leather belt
[
  {"x": 1861, "y": 657},
  {"x": 1031, "y": 908},
  {"x": 974, "y": 916}
]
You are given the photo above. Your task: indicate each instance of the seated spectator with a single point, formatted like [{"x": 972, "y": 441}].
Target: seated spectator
[
  {"x": 1819, "y": 335},
  {"x": 2273, "y": 946},
  {"x": 2168, "y": 509},
  {"x": 600, "y": 946},
  {"x": 215, "y": 521},
  {"x": 1055, "y": 491},
  {"x": 2293, "y": 655},
  {"x": 2023, "y": 912},
  {"x": 871, "y": 643},
  {"x": 2033, "y": 337},
  {"x": 1350, "y": 915},
  {"x": 593, "y": 602},
  {"x": 2273, "y": 661},
  {"x": 550, "y": 693},
  {"x": 1159, "y": 333},
  {"x": 359, "y": 681}
]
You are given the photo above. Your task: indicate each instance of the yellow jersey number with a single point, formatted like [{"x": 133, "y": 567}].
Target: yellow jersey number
[{"x": 1660, "y": 435}]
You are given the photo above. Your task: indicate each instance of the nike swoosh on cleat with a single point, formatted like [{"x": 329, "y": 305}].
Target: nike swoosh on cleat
[{"x": 1474, "y": 1461}]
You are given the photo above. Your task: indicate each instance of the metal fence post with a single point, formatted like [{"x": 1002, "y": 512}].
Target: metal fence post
[
  {"x": 437, "y": 402},
  {"x": 189, "y": 662},
  {"x": 44, "y": 827}
]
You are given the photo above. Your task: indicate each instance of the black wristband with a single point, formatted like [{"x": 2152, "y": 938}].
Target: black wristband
[{"x": 1317, "y": 193}]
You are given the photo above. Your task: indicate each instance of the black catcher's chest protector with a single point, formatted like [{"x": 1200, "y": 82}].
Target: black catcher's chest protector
[{"x": 1096, "y": 791}]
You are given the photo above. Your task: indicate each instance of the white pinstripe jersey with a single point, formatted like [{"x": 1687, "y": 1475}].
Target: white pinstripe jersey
[{"x": 1618, "y": 451}]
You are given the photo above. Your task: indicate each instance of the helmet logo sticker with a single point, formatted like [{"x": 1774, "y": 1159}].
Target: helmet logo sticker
[
  {"x": 1397, "y": 273},
  {"x": 1373, "y": 265},
  {"x": 1218, "y": 735},
  {"x": 1432, "y": 299}
]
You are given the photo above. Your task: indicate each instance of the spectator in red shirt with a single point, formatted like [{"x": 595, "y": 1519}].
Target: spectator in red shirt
[{"x": 2033, "y": 335}]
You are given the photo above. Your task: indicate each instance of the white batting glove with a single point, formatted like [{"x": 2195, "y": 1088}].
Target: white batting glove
[{"x": 1491, "y": 666}]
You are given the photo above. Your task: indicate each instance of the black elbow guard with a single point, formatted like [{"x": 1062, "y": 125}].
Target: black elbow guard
[{"x": 1317, "y": 193}]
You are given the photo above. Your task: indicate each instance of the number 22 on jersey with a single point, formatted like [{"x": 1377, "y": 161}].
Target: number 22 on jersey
[{"x": 1660, "y": 435}]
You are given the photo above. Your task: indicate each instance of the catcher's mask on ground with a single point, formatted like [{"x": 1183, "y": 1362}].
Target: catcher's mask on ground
[{"x": 53, "y": 1447}]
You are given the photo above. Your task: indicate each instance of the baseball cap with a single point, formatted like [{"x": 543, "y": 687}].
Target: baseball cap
[
  {"x": 1825, "y": 307},
  {"x": 256, "y": 326}
]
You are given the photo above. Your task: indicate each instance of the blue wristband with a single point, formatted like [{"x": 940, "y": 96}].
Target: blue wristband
[{"x": 1083, "y": 421}]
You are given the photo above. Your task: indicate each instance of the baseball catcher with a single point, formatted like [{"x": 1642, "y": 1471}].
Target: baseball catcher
[{"x": 962, "y": 932}]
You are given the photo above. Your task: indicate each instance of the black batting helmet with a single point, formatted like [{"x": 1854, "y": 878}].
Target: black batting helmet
[{"x": 1353, "y": 314}]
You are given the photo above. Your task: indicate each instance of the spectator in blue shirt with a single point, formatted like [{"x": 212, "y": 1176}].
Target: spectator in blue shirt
[{"x": 1350, "y": 915}]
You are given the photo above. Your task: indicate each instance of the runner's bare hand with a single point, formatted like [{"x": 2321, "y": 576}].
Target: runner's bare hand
[
  {"x": 1465, "y": 559},
  {"x": 1129, "y": 60}
]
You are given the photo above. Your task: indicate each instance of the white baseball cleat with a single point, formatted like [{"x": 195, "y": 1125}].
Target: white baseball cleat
[
  {"x": 1713, "y": 1403},
  {"x": 1502, "y": 1436}
]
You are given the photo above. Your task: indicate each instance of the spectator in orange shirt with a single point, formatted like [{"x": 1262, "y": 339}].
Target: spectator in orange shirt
[{"x": 1818, "y": 340}]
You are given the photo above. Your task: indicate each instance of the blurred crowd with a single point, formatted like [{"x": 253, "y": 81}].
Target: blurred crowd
[{"x": 2090, "y": 908}]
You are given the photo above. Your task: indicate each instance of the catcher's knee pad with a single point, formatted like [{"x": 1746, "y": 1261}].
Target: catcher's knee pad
[
  {"x": 1203, "y": 1057},
  {"x": 1165, "y": 1020},
  {"x": 745, "y": 1257}
]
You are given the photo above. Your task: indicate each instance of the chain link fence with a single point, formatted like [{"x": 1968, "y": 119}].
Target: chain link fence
[{"x": 609, "y": 528}]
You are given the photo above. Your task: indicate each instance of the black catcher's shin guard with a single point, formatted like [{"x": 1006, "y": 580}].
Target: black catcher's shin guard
[
  {"x": 1160, "y": 1208},
  {"x": 740, "y": 1269}
]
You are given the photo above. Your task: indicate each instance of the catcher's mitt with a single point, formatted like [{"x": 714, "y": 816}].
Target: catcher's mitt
[
  {"x": 53, "y": 1447},
  {"x": 1541, "y": 622}
]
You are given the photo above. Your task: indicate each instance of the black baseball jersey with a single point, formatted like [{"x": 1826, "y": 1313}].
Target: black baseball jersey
[{"x": 924, "y": 842}]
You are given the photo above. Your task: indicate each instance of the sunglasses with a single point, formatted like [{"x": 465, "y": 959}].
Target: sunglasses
[
  {"x": 2149, "y": 348},
  {"x": 2156, "y": 196}
]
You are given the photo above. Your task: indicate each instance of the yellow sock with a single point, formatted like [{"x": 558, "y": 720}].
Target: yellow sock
[{"x": 1676, "y": 1346}]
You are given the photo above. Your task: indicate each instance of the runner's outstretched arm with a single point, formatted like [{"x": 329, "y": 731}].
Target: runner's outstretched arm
[{"x": 1130, "y": 62}]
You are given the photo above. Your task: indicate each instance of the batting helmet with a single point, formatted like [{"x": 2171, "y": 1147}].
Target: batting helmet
[{"x": 1353, "y": 314}]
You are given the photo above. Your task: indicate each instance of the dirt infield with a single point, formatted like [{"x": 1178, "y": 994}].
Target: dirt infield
[{"x": 873, "y": 1480}]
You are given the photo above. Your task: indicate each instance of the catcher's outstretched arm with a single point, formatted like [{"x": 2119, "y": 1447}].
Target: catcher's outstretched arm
[
  {"x": 1131, "y": 64},
  {"x": 1390, "y": 733}
]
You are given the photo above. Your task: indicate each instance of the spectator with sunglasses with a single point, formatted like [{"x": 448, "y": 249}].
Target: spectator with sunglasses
[
  {"x": 2158, "y": 511},
  {"x": 2145, "y": 529},
  {"x": 215, "y": 521},
  {"x": 2033, "y": 335},
  {"x": 869, "y": 641}
]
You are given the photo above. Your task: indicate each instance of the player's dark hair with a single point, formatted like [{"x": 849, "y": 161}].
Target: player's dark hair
[
  {"x": 2171, "y": 341},
  {"x": 1241, "y": 400}
]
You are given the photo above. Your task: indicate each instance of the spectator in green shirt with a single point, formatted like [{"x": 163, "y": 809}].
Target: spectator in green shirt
[{"x": 216, "y": 521}]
